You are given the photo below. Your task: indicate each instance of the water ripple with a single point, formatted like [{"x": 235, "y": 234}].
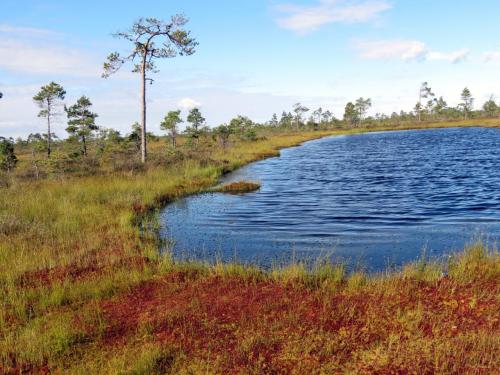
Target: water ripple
[{"x": 381, "y": 197}]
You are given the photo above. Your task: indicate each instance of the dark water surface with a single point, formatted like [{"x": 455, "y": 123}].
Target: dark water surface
[{"x": 373, "y": 200}]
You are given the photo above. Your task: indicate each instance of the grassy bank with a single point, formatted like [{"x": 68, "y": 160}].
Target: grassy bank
[{"x": 82, "y": 291}]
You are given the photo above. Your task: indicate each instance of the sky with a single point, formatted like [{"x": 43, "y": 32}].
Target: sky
[{"x": 254, "y": 58}]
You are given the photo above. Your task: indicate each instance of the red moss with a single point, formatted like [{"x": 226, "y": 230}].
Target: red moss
[
  {"x": 15, "y": 368},
  {"x": 247, "y": 323},
  {"x": 74, "y": 272},
  {"x": 48, "y": 276}
]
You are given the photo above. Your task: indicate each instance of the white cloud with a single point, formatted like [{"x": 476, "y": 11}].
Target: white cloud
[
  {"x": 24, "y": 57},
  {"x": 406, "y": 50},
  {"x": 392, "y": 49},
  {"x": 23, "y": 51},
  {"x": 454, "y": 57},
  {"x": 29, "y": 31},
  {"x": 491, "y": 56},
  {"x": 18, "y": 113},
  {"x": 188, "y": 103},
  {"x": 304, "y": 19}
]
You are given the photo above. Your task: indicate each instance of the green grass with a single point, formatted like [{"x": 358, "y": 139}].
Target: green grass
[
  {"x": 70, "y": 246},
  {"x": 237, "y": 187}
]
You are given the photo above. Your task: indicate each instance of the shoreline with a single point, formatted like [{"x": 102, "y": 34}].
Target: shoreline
[
  {"x": 84, "y": 291},
  {"x": 211, "y": 260}
]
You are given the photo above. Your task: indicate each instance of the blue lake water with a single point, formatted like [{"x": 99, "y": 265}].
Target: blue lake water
[{"x": 372, "y": 200}]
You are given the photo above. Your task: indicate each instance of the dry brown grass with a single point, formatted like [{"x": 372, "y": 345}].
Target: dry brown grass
[{"x": 239, "y": 187}]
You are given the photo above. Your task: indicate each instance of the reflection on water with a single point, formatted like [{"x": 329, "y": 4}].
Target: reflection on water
[{"x": 373, "y": 199}]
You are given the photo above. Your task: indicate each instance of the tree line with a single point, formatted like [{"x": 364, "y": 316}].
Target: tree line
[
  {"x": 82, "y": 128},
  {"x": 152, "y": 39}
]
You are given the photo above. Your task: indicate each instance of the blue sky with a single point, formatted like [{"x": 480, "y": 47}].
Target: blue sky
[{"x": 255, "y": 57}]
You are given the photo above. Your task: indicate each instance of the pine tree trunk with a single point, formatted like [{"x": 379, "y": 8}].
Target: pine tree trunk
[
  {"x": 48, "y": 135},
  {"x": 143, "y": 103},
  {"x": 84, "y": 146}
]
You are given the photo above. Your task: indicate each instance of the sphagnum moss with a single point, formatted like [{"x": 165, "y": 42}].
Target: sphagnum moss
[{"x": 78, "y": 279}]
